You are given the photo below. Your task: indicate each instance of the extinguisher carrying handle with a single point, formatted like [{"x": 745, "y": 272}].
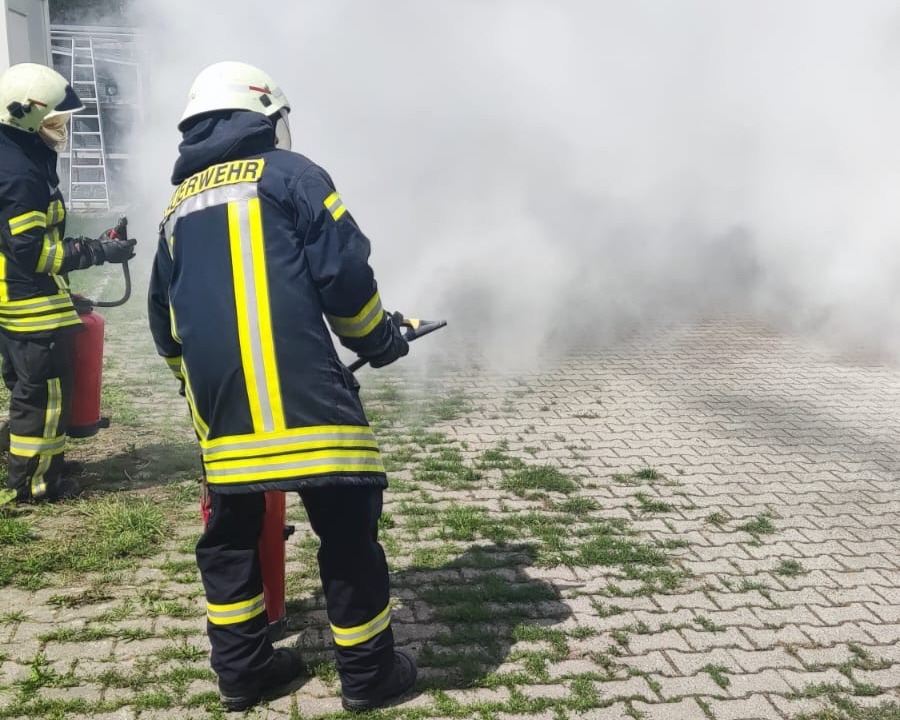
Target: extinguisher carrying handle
[{"x": 120, "y": 231}]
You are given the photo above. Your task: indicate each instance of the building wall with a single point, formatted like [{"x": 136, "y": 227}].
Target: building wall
[{"x": 24, "y": 32}]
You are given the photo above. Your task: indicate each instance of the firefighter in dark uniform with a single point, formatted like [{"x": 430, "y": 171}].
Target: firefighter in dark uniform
[
  {"x": 255, "y": 246},
  {"x": 37, "y": 316}
]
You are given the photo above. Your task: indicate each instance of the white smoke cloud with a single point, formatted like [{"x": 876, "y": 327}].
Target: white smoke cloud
[{"x": 546, "y": 171}]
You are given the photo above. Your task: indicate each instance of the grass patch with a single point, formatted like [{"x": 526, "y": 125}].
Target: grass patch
[
  {"x": 109, "y": 534},
  {"x": 759, "y": 525},
  {"x": 447, "y": 469},
  {"x": 539, "y": 477},
  {"x": 789, "y": 568},
  {"x": 14, "y": 532},
  {"x": 646, "y": 504},
  {"x": 718, "y": 675},
  {"x": 717, "y": 518}
]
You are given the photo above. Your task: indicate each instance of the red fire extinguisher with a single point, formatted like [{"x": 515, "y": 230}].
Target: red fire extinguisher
[
  {"x": 88, "y": 355},
  {"x": 271, "y": 556}
]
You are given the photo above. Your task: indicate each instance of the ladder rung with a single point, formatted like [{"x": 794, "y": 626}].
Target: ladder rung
[
  {"x": 85, "y": 132},
  {"x": 88, "y": 182}
]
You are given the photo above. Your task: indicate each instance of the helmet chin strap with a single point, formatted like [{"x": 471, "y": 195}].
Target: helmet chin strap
[{"x": 282, "y": 131}]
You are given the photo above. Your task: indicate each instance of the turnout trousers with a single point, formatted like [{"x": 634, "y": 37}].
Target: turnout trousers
[
  {"x": 352, "y": 568},
  {"x": 38, "y": 373}
]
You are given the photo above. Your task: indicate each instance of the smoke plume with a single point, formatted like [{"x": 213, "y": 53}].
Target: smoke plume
[{"x": 550, "y": 173}]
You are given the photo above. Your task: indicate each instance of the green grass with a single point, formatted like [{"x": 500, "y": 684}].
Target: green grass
[
  {"x": 717, "y": 518},
  {"x": 789, "y": 568},
  {"x": 447, "y": 469},
  {"x": 107, "y": 534},
  {"x": 540, "y": 477},
  {"x": 718, "y": 675},
  {"x": 646, "y": 504},
  {"x": 760, "y": 525},
  {"x": 14, "y": 532}
]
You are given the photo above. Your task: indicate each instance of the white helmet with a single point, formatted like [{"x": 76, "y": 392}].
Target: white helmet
[
  {"x": 238, "y": 86},
  {"x": 32, "y": 94}
]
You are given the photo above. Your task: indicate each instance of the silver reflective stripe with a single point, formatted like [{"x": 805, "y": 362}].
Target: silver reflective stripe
[
  {"x": 279, "y": 442},
  {"x": 369, "y": 632},
  {"x": 30, "y": 306},
  {"x": 211, "y": 198},
  {"x": 53, "y": 251},
  {"x": 224, "y": 614},
  {"x": 29, "y": 447},
  {"x": 354, "y": 329},
  {"x": 355, "y": 462},
  {"x": 255, "y": 338}
]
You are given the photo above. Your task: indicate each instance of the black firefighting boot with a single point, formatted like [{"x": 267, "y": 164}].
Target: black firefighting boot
[
  {"x": 72, "y": 468},
  {"x": 401, "y": 678},
  {"x": 285, "y": 668},
  {"x": 65, "y": 488}
]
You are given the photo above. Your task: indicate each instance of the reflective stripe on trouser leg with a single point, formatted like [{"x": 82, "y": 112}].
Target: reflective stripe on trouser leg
[
  {"x": 355, "y": 580},
  {"x": 39, "y": 412},
  {"x": 228, "y": 558}
]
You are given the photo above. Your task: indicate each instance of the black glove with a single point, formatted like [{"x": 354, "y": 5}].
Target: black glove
[
  {"x": 396, "y": 346},
  {"x": 111, "y": 248}
]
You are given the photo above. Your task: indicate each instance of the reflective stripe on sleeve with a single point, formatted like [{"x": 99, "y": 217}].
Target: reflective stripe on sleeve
[
  {"x": 52, "y": 253},
  {"x": 335, "y": 205},
  {"x": 27, "y": 221},
  {"x": 361, "y": 324},
  {"x": 234, "y": 613},
  {"x": 174, "y": 364},
  {"x": 348, "y": 637}
]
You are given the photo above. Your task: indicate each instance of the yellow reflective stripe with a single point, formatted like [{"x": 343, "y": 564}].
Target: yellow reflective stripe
[
  {"x": 174, "y": 364},
  {"x": 4, "y": 285},
  {"x": 173, "y": 324},
  {"x": 234, "y": 613},
  {"x": 37, "y": 323},
  {"x": 37, "y": 303},
  {"x": 25, "y": 446},
  {"x": 51, "y": 426},
  {"x": 38, "y": 486},
  {"x": 239, "y": 273},
  {"x": 56, "y": 213},
  {"x": 200, "y": 426},
  {"x": 27, "y": 221},
  {"x": 254, "y": 316},
  {"x": 294, "y": 440},
  {"x": 304, "y": 464},
  {"x": 347, "y": 637},
  {"x": 52, "y": 253},
  {"x": 270, "y": 368},
  {"x": 335, "y": 205},
  {"x": 361, "y": 324}
]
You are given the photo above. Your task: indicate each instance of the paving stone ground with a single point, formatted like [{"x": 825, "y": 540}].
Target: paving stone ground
[{"x": 771, "y": 507}]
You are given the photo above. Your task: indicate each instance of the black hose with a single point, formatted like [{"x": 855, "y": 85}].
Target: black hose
[{"x": 116, "y": 303}]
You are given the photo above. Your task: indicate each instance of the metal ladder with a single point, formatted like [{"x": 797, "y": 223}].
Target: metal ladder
[{"x": 88, "y": 188}]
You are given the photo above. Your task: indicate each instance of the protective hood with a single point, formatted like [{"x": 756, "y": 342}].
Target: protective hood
[
  {"x": 34, "y": 149},
  {"x": 220, "y": 137}
]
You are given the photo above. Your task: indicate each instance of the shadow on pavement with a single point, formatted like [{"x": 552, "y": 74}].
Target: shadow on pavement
[{"x": 460, "y": 620}]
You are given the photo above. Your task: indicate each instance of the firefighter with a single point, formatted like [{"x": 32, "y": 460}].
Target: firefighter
[
  {"x": 37, "y": 316},
  {"x": 255, "y": 247}
]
